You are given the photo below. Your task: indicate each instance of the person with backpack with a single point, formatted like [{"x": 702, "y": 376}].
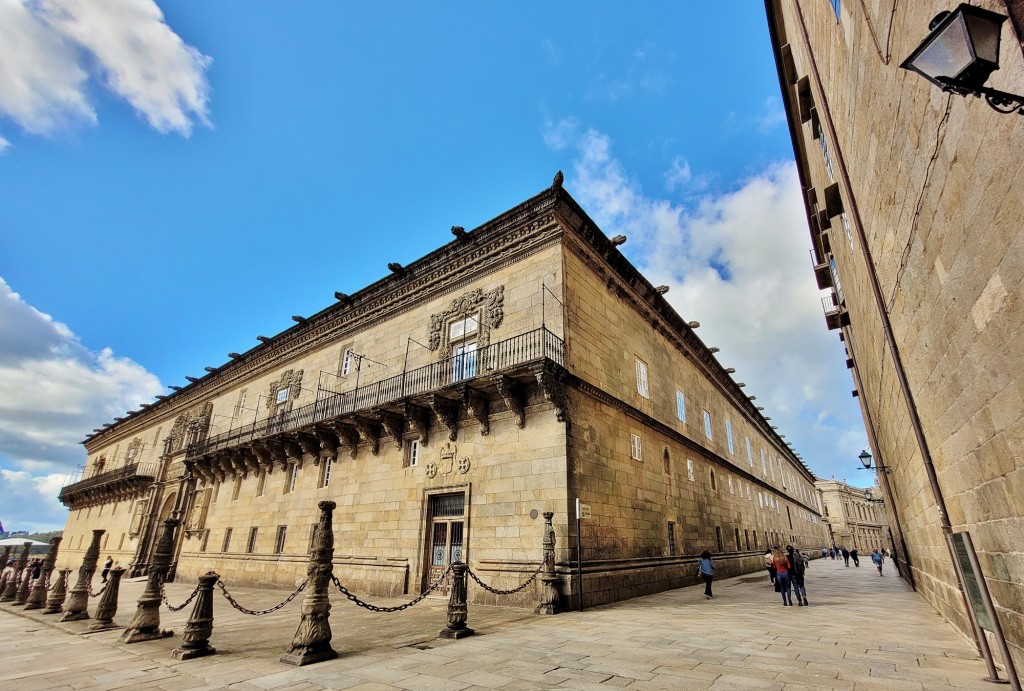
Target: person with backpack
[
  {"x": 798, "y": 568},
  {"x": 876, "y": 557}
]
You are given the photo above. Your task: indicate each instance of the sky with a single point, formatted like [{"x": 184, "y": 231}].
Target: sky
[{"x": 177, "y": 178}]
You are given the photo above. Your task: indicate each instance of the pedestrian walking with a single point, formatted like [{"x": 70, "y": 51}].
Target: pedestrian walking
[
  {"x": 854, "y": 556},
  {"x": 846, "y": 555},
  {"x": 824, "y": 552},
  {"x": 707, "y": 572},
  {"x": 106, "y": 568},
  {"x": 876, "y": 557},
  {"x": 782, "y": 577},
  {"x": 799, "y": 568},
  {"x": 769, "y": 563}
]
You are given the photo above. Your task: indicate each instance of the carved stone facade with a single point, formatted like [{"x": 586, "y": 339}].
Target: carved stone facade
[{"x": 473, "y": 413}]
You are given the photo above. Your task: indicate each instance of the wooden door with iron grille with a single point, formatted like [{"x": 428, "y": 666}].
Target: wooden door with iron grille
[{"x": 446, "y": 538}]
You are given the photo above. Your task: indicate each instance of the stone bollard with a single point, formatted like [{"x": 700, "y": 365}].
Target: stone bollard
[
  {"x": 107, "y": 606},
  {"x": 195, "y": 642},
  {"x": 458, "y": 610},
  {"x": 55, "y": 603},
  {"x": 312, "y": 640},
  {"x": 3, "y": 567},
  {"x": 11, "y": 590},
  {"x": 550, "y": 596},
  {"x": 25, "y": 585},
  {"x": 78, "y": 598},
  {"x": 145, "y": 624},
  {"x": 37, "y": 598}
]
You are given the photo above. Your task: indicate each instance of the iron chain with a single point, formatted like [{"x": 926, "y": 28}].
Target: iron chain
[
  {"x": 92, "y": 594},
  {"x": 259, "y": 612},
  {"x": 374, "y": 608},
  {"x": 505, "y": 592},
  {"x": 183, "y": 605}
]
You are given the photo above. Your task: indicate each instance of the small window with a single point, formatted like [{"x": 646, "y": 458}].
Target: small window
[
  {"x": 414, "y": 453},
  {"x": 689, "y": 469},
  {"x": 120, "y": 543},
  {"x": 748, "y": 492},
  {"x": 293, "y": 472},
  {"x": 680, "y": 406},
  {"x": 641, "y": 378},
  {"x": 463, "y": 328},
  {"x": 730, "y": 486},
  {"x": 736, "y": 533},
  {"x": 671, "y": 539},
  {"x": 714, "y": 481},
  {"x": 216, "y": 491},
  {"x": 282, "y": 396},
  {"x": 282, "y": 530},
  {"x": 346, "y": 362},
  {"x": 764, "y": 464},
  {"x": 238, "y": 487},
  {"x": 728, "y": 435},
  {"x": 760, "y": 500},
  {"x": 261, "y": 483},
  {"x": 202, "y": 546},
  {"x": 636, "y": 451},
  {"x": 750, "y": 454},
  {"x": 240, "y": 403},
  {"x": 227, "y": 540},
  {"x": 746, "y": 536},
  {"x": 250, "y": 546},
  {"x": 325, "y": 472},
  {"x": 707, "y": 425},
  {"x": 666, "y": 462},
  {"x": 718, "y": 538}
]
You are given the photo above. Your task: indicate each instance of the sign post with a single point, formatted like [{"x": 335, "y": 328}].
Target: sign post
[
  {"x": 582, "y": 511},
  {"x": 980, "y": 601}
]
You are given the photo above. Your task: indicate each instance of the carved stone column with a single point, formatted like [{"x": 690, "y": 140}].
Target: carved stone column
[
  {"x": 23, "y": 587},
  {"x": 195, "y": 642},
  {"x": 458, "y": 610},
  {"x": 107, "y": 607},
  {"x": 11, "y": 590},
  {"x": 78, "y": 598},
  {"x": 55, "y": 603},
  {"x": 37, "y": 598},
  {"x": 312, "y": 640},
  {"x": 3, "y": 565},
  {"x": 145, "y": 625},
  {"x": 549, "y": 581}
]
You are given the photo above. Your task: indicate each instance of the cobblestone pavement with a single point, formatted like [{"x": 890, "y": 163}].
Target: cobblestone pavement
[{"x": 861, "y": 631}]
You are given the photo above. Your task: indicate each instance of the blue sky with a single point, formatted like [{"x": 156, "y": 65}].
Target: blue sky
[{"x": 180, "y": 178}]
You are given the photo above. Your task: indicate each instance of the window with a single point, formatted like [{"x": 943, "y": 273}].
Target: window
[
  {"x": 240, "y": 404},
  {"x": 202, "y": 546},
  {"x": 261, "y": 483},
  {"x": 771, "y": 467},
  {"x": 120, "y": 543},
  {"x": 718, "y": 538},
  {"x": 414, "y": 453},
  {"x": 641, "y": 378},
  {"x": 293, "y": 472},
  {"x": 216, "y": 491},
  {"x": 666, "y": 462},
  {"x": 730, "y": 486},
  {"x": 237, "y": 489},
  {"x": 750, "y": 454},
  {"x": 707, "y": 424},
  {"x": 635, "y": 450},
  {"x": 671, "y": 539},
  {"x": 346, "y": 362},
  {"x": 746, "y": 536},
  {"x": 282, "y": 530},
  {"x": 835, "y": 7},
  {"x": 282, "y": 395},
  {"x": 756, "y": 546},
  {"x": 250, "y": 546},
  {"x": 760, "y": 500},
  {"x": 689, "y": 469},
  {"x": 227, "y": 540},
  {"x": 462, "y": 338},
  {"x": 325, "y": 472},
  {"x": 736, "y": 533},
  {"x": 728, "y": 435},
  {"x": 680, "y": 406},
  {"x": 764, "y": 463},
  {"x": 748, "y": 491},
  {"x": 714, "y": 482}
]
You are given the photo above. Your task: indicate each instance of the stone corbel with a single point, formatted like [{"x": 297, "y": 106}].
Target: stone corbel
[
  {"x": 478, "y": 406},
  {"x": 369, "y": 432},
  {"x": 512, "y": 393},
  {"x": 310, "y": 446},
  {"x": 237, "y": 462},
  {"x": 252, "y": 463},
  {"x": 347, "y": 437},
  {"x": 447, "y": 412},
  {"x": 328, "y": 442},
  {"x": 224, "y": 463},
  {"x": 278, "y": 454},
  {"x": 393, "y": 425},
  {"x": 553, "y": 390},
  {"x": 263, "y": 455},
  {"x": 419, "y": 421}
]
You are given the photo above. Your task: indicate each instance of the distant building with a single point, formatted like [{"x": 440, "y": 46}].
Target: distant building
[
  {"x": 521, "y": 366},
  {"x": 915, "y": 205},
  {"x": 851, "y": 518}
]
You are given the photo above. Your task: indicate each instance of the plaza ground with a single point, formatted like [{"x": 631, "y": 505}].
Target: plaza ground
[{"x": 861, "y": 631}]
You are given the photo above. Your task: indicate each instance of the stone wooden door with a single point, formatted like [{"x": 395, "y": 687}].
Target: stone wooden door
[{"x": 446, "y": 536}]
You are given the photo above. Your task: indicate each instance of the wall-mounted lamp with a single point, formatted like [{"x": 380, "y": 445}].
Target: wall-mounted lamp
[
  {"x": 866, "y": 458},
  {"x": 869, "y": 496},
  {"x": 959, "y": 54}
]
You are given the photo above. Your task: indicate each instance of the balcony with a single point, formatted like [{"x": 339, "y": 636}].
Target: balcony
[
  {"x": 360, "y": 415},
  {"x": 822, "y": 272},
  {"x": 120, "y": 483},
  {"x": 836, "y": 315}
]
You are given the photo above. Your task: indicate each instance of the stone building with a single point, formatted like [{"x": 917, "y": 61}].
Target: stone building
[
  {"x": 522, "y": 366},
  {"x": 853, "y": 518},
  {"x": 915, "y": 202}
]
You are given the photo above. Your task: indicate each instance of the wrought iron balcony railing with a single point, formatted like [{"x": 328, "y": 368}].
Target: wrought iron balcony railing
[
  {"x": 136, "y": 472},
  {"x": 487, "y": 361}
]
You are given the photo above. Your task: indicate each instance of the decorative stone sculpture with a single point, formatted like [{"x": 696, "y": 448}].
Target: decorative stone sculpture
[
  {"x": 107, "y": 607},
  {"x": 458, "y": 610},
  {"x": 312, "y": 640},
  {"x": 78, "y": 598},
  {"x": 37, "y": 598},
  {"x": 195, "y": 642},
  {"x": 11, "y": 590},
  {"x": 55, "y": 603}
]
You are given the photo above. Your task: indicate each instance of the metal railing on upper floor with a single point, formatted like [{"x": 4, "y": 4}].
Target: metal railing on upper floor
[
  {"x": 141, "y": 471},
  {"x": 465, "y": 367}
]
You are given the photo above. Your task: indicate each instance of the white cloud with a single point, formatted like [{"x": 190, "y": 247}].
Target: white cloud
[
  {"x": 51, "y": 50},
  {"x": 678, "y": 175},
  {"x": 55, "y": 392},
  {"x": 738, "y": 263},
  {"x": 30, "y": 503}
]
